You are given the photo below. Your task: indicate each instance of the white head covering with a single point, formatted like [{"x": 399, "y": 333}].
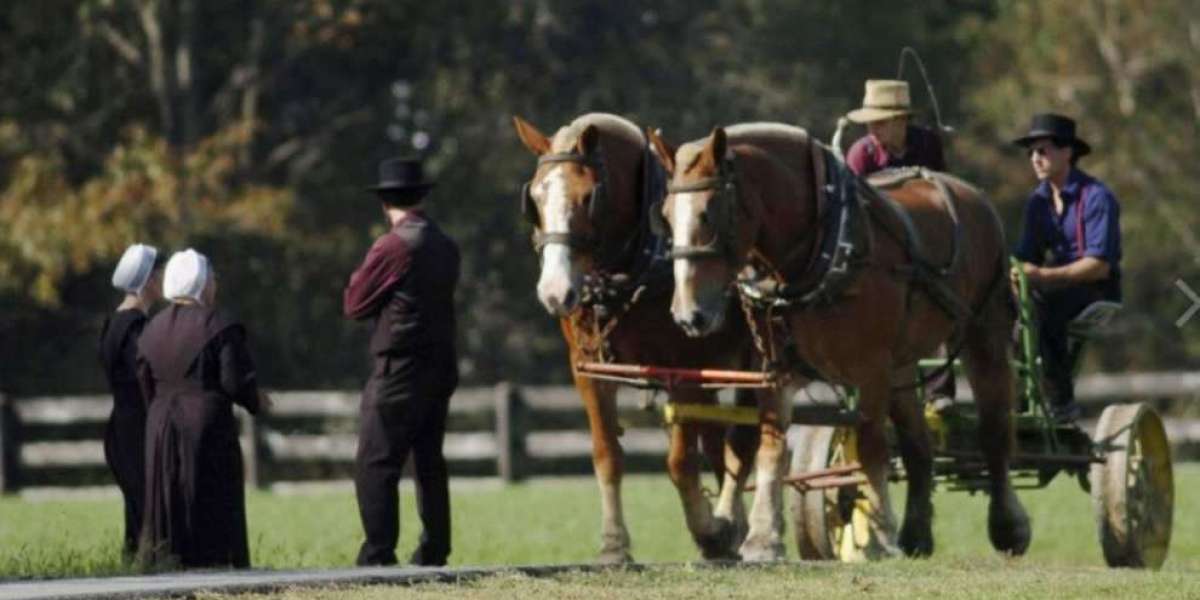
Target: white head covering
[
  {"x": 186, "y": 275},
  {"x": 134, "y": 269}
]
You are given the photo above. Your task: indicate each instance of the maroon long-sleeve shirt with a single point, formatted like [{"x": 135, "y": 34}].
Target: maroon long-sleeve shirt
[
  {"x": 385, "y": 264},
  {"x": 923, "y": 149},
  {"x": 406, "y": 282}
]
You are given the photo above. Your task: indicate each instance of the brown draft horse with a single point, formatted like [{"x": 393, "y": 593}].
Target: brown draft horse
[
  {"x": 734, "y": 205},
  {"x": 585, "y": 202}
]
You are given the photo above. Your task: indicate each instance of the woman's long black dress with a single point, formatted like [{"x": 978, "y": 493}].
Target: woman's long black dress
[
  {"x": 125, "y": 434},
  {"x": 193, "y": 366}
]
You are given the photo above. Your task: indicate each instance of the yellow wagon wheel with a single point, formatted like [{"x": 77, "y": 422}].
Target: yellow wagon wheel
[
  {"x": 1133, "y": 490},
  {"x": 825, "y": 520}
]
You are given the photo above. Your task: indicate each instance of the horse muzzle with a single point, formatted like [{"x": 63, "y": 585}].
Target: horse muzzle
[
  {"x": 698, "y": 322},
  {"x": 558, "y": 297}
]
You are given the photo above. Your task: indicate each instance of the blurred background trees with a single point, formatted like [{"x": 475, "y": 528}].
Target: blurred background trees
[{"x": 248, "y": 129}]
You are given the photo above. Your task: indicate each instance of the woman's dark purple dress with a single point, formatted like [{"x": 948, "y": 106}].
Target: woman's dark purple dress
[{"x": 193, "y": 367}]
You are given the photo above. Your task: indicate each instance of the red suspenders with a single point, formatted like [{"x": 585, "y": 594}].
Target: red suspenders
[{"x": 1079, "y": 240}]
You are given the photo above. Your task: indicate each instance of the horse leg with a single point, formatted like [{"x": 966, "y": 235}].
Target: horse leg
[
  {"x": 989, "y": 370},
  {"x": 712, "y": 445},
  {"x": 740, "y": 444},
  {"x": 711, "y": 535},
  {"x": 912, "y": 434},
  {"x": 764, "y": 541},
  {"x": 880, "y": 527},
  {"x": 600, "y": 403}
]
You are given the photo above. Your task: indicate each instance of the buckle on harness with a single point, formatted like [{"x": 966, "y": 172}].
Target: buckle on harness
[{"x": 842, "y": 253}]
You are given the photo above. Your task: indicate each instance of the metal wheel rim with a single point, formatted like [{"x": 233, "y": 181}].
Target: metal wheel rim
[{"x": 1149, "y": 490}]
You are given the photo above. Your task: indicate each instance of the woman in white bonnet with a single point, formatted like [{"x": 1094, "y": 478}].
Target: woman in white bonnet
[
  {"x": 193, "y": 366},
  {"x": 138, "y": 276}
]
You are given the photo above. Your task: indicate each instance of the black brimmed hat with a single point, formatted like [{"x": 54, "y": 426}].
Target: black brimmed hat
[
  {"x": 402, "y": 174},
  {"x": 1057, "y": 127}
]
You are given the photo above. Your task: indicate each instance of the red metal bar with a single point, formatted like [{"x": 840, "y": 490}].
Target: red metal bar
[
  {"x": 830, "y": 482},
  {"x": 675, "y": 374},
  {"x": 824, "y": 478},
  {"x": 840, "y": 470}
]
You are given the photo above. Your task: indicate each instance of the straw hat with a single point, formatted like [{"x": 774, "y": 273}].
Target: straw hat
[{"x": 884, "y": 99}]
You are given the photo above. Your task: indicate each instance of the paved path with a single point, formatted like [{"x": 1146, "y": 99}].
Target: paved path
[{"x": 187, "y": 584}]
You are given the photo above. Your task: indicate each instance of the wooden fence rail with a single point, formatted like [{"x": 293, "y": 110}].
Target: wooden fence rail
[{"x": 507, "y": 431}]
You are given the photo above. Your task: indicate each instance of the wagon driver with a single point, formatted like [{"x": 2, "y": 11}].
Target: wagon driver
[{"x": 1070, "y": 246}]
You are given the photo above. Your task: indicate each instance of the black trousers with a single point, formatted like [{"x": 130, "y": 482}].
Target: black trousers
[
  {"x": 404, "y": 411},
  {"x": 1055, "y": 309}
]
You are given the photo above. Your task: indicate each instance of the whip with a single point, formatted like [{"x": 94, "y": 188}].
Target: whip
[{"x": 909, "y": 51}]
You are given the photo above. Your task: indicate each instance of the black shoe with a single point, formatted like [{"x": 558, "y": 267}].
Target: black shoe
[
  {"x": 423, "y": 559},
  {"x": 1066, "y": 414}
]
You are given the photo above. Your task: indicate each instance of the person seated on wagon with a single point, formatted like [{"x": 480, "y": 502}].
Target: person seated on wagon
[
  {"x": 1070, "y": 247},
  {"x": 891, "y": 140}
]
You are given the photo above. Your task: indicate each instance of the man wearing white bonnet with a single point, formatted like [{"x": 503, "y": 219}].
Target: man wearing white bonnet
[
  {"x": 124, "y": 436},
  {"x": 193, "y": 366}
]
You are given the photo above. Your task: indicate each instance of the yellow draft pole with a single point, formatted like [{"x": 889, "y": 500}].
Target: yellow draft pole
[{"x": 675, "y": 413}]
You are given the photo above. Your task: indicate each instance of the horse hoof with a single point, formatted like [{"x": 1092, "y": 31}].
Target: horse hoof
[
  {"x": 614, "y": 557},
  {"x": 719, "y": 545},
  {"x": 916, "y": 540},
  {"x": 1008, "y": 526},
  {"x": 916, "y": 536},
  {"x": 762, "y": 551}
]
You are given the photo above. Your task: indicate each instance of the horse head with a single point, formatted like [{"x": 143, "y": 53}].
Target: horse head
[
  {"x": 581, "y": 201},
  {"x": 710, "y": 229}
]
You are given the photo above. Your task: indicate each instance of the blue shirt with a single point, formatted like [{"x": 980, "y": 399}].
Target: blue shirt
[{"x": 1090, "y": 209}]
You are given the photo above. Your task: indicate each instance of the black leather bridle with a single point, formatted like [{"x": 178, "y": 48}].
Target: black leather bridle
[
  {"x": 723, "y": 206},
  {"x": 596, "y": 203}
]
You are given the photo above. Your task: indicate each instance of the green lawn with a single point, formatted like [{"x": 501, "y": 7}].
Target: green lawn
[{"x": 556, "y": 521}]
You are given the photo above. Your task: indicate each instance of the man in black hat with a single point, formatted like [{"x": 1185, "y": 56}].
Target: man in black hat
[
  {"x": 406, "y": 284},
  {"x": 1070, "y": 246}
]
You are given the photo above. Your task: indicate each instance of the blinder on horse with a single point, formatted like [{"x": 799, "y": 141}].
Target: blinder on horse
[{"x": 596, "y": 200}]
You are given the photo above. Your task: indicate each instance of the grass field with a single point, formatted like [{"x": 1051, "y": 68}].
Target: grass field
[{"x": 556, "y": 521}]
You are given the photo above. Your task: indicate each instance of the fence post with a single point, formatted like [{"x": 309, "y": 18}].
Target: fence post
[
  {"x": 256, "y": 453},
  {"x": 10, "y": 446},
  {"x": 510, "y": 432}
]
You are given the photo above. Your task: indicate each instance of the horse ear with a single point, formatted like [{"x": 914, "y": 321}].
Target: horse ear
[
  {"x": 531, "y": 137},
  {"x": 662, "y": 150},
  {"x": 714, "y": 152},
  {"x": 589, "y": 140}
]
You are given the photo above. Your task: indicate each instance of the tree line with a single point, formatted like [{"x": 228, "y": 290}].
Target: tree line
[{"x": 248, "y": 129}]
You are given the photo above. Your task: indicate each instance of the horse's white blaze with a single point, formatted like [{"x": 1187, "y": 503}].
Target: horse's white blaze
[
  {"x": 683, "y": 222},
  {"x": 557, "y": 277}
]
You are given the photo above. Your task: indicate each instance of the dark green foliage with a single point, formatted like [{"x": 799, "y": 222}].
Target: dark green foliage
[{"x": 260, "y": 156}]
